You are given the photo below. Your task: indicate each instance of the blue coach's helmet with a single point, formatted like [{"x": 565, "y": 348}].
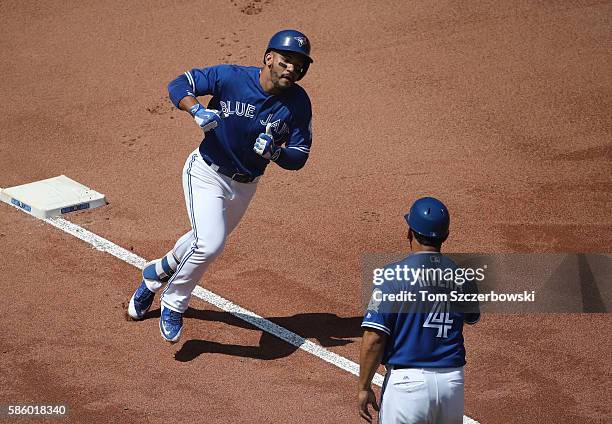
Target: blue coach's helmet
[
  {"x": 291, "y": 40},
  {"x": 429, "y": 217}
]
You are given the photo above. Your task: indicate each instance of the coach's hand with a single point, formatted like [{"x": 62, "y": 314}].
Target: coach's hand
[
  {"x": 366, "y": 398},
  {"x": 264, "y": 145},
  {"x": 207, "y": 119}
]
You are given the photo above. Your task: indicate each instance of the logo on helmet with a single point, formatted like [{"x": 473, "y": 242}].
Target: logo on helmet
[{"x": 301, "y": 40}]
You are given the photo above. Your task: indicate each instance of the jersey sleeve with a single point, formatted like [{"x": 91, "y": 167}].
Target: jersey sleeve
[
  {"x": 196, "y": 82},
  {"x": 297, "y": 149},
  {"x": 380, "y": 314}
]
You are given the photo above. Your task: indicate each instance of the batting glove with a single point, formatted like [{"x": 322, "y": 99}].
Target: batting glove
[
  {"x": 265, "y": 147},
  {"x": 207, "y": 119}
]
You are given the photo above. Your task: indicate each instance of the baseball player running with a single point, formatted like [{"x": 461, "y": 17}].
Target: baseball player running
[
  {"x": 252, "y": 114},
  {"x": 421, "y": 343}
]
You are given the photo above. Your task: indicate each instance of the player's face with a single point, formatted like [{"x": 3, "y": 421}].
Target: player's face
[{"x": 285, "y": 68}]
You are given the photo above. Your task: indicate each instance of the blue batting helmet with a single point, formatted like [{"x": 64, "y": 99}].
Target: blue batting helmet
[
  {"x": 429, "y": 217},
  {"x": 291, "y": 40}
]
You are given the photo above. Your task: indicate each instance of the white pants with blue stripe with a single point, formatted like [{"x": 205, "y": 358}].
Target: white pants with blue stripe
[
  {"x": 215, "y": 204},
  {"x": 422, "y": 396}
]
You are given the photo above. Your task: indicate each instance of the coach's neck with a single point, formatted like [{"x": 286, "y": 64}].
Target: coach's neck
[
  {"x": 415, "y": 246},
  {"x": 418, "y": 247}
]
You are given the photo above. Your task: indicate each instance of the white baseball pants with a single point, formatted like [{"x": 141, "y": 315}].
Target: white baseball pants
[
  {"x": 215, "y": 204},
  {"x": 422, "y": 396}
]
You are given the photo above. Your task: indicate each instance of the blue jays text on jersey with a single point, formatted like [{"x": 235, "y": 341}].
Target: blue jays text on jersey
[
  {"x": 236, "y": 90},
  {"x": 421, "y": 334}
]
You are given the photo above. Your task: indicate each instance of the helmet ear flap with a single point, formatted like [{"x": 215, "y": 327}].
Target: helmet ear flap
[{"x": 304, "y": 70}]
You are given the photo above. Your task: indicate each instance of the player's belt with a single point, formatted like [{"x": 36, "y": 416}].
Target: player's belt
[
  {"x": 236, "y": 176},
  {"x": 401, "y": 367}
]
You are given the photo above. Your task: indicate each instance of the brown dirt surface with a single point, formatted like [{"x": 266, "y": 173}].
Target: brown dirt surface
[{"x": 501, "y": 109}]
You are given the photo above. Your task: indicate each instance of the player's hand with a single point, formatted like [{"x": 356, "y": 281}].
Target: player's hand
[
  {"x": 264, "y": 145},
  {"x": 366, "y": 398},
  {"x": 207, "y": 119}
]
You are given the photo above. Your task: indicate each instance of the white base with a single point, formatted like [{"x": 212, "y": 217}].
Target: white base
[{"x": 52, "y": 197}]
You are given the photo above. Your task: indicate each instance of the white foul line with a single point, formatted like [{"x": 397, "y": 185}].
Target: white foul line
[{"x": 290, "y": 337}]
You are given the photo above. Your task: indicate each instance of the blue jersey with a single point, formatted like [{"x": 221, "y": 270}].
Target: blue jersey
[
  {"x": 421, "y": 333},
  {"x": 236, "y": 91}
]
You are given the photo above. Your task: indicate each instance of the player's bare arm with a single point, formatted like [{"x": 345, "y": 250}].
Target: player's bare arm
[
  {"x": 370, "y": 357},
  {"x": 187, "y": 103}
]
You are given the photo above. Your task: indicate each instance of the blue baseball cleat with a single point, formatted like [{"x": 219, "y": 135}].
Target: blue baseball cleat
[
  {"x": 156, "y": 273},
  {"x": 170, "y": 324},
  {"x": 141, "y": 301}
]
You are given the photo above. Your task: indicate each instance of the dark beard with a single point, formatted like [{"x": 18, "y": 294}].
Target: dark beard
[{"x": 276, "y": 77}]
